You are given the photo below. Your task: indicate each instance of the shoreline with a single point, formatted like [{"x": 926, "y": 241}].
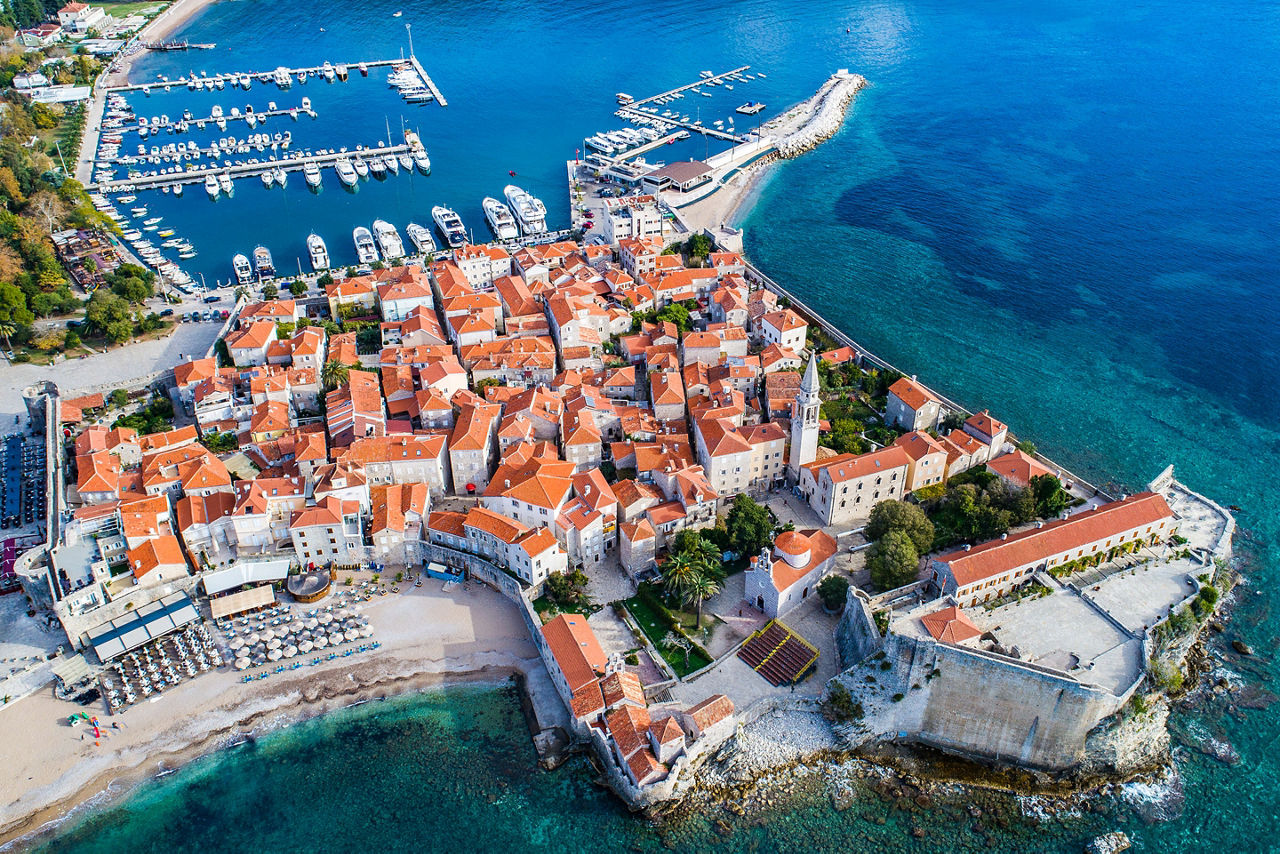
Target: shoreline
[
  {"x": 52, "y": 772},
  {"x": 162, "y": 25},
  {"x": 112, "y": 787}
]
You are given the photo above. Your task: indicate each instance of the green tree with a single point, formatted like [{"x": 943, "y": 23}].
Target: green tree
[
  {"x": 333, "y": 374},
  {"x": 325, "y": 280},
  {"x": 892, "y": 515},
  {"x": 893, "y": 560},
  {"x": 698, "y": 246},
  {"x": 749, "y": 524},
  {"x": 298, "y": 287},
  {"x": 833, "y": 590},
  {"x": 1049, "y": 496},
  {"x": 119, "y": 398},
  {"x": 270, "y": 291}
]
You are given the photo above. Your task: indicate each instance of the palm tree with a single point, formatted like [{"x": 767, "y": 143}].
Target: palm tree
[
  {"x": 7, "y": 329},
  {"x": 700, "y": 590},
  {"x": 333, "y": 374}
]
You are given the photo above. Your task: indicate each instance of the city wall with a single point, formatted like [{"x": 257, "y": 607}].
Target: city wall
[{"x": 973, "y": 703}]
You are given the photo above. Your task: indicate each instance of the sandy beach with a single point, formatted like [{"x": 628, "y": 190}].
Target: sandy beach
[{"x": 428, "y": 638}]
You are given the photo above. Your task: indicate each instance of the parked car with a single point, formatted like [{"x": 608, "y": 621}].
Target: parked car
[
  {"x": 168, "y": 312},
  {"x": 213, "y": 298},
  {"x": 225, "y": 314}
]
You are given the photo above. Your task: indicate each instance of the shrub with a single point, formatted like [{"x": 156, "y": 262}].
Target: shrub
[
  {"x": 1166, "y": 676},
  {"x": 897, "y": 698},
  {"x": 841, "y": 704},
  {"x": 886, "y": 665}
]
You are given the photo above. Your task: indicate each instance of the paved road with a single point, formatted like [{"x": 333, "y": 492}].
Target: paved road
[{"x": 119, "y": 365}]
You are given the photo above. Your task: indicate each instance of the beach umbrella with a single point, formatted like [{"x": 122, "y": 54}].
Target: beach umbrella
[
  {"x": 311, "y": 623},
  {"x": 305, "y": 646},
  {"x": 366, "y": 632},
  {"x": 242, "y": 652},
  {"x": 259, "y": 659},
  {"x": 326, "y": 618},
  {"x": 342, "y": 612},
  {"x": 268, "y": 635},
  {"x": 275, "y": 655},
  {"x": 237, "y": 643},
  {"x": 352, "y": 634},
  {"x": 242, "y": 664},
  {"x": 274, "y": 643},
  {"x": 253, "y": 638},
  {"x": 290, "y": 651},
  {"x": 321, "y": 642},
  {"x": 335, "y": 639},
  {"x": 296, "y": 626}
]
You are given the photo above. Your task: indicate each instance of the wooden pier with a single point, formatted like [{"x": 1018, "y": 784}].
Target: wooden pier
[{"x": 240, "y": 170}]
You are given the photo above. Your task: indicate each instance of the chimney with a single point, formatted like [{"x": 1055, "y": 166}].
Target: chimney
[
  {"x": 507, "y": 483},
  {"x": 586, "y": 490}
]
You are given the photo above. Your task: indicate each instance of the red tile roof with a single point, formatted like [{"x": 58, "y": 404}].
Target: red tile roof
[
  {"x": 996, "y": 557},
  {"x": 575, "y": 649}
]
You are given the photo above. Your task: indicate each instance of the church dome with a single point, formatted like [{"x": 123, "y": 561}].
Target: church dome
[{"x": 792, "y": 547}]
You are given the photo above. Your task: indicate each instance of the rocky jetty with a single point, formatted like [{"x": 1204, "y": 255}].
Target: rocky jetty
[{"x": 806, "y": 126}]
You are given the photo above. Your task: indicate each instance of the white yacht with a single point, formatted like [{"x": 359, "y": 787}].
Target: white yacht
[
  {"x": 376, "y": 167},
  {"x": 244, "y": 273},
  {"x": 530, "y": 212},
  {"x": 406, "y": 162},
  {"x": 346, "y": 172},
  {"x": 319, "y": 252},
  {"x": 388, "y": 239},
  {"x": 282, "y": 177},
  {"x": 268, "y": 179},
  {"x": 362, "y": 168},
  {"x": 422, "y": 161},
  {"x": 500, "y": 219},
  {"x": 450, "y": 225},
  {"x": 263, "y": 267},
  {"x": 211, "y": 185},
  {"x": 282, "y": 78},
  {"x": 312, "y": 173},
  {"x": 327, "y": 71},
  {"x": 224, "y": 181},
  {"x": 421, "y": 238},
  {"x": 393, "y": 165},
  {"x": 366, "y": 249}
]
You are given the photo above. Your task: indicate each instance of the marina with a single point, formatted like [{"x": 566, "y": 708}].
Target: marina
[
  {"x": 277, "y": 77},
  {"x": 251, "y": 169}
]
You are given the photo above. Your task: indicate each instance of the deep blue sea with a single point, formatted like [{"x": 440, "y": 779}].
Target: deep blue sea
[{"x": 1063, "y": 211}]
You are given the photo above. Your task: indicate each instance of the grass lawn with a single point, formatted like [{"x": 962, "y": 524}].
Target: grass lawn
[
  {"x": 120, "y": 11},
  {"x": 655, "y": 627}
]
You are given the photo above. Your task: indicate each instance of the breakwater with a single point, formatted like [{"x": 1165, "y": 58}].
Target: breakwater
[{"x": 816, "y": 120}]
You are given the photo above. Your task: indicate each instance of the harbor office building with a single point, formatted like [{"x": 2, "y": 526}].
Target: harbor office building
[{"x": 978, "y": 574}]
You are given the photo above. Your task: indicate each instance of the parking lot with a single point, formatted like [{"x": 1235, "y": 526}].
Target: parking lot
[{"x": 22, "y": 467}]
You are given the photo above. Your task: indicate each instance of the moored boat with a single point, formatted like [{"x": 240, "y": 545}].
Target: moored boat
[
  {"x": 500, "y": 219},
  {"x": 318, "y": 251},
  {"x": 388, "y": 238},
  {"x": 263, "y": 267},
  {"x": 366, "y": 249},
  {"x": 529, "y": 211},
  {"x": 450, "y": 225},
  {"x": 421, "y": 238},
  {"x": 244, "y": 273}
]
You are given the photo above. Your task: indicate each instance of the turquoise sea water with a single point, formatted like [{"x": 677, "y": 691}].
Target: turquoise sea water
[{"x": 1061, "y": 211}]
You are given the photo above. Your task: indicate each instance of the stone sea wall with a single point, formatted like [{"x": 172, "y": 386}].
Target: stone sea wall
[{"x": 819, "y": 117}]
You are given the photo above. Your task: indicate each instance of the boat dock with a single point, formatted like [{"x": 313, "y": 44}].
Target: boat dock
[
  {"x": 240, "y": 170},
  {"x": 717, "y": 78},
  {"x": 213, "y": 120},
  {"x": 692, "y": 127},
  {"x": 426, "y": 78},
  {"x": 266, "y": 76}
]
